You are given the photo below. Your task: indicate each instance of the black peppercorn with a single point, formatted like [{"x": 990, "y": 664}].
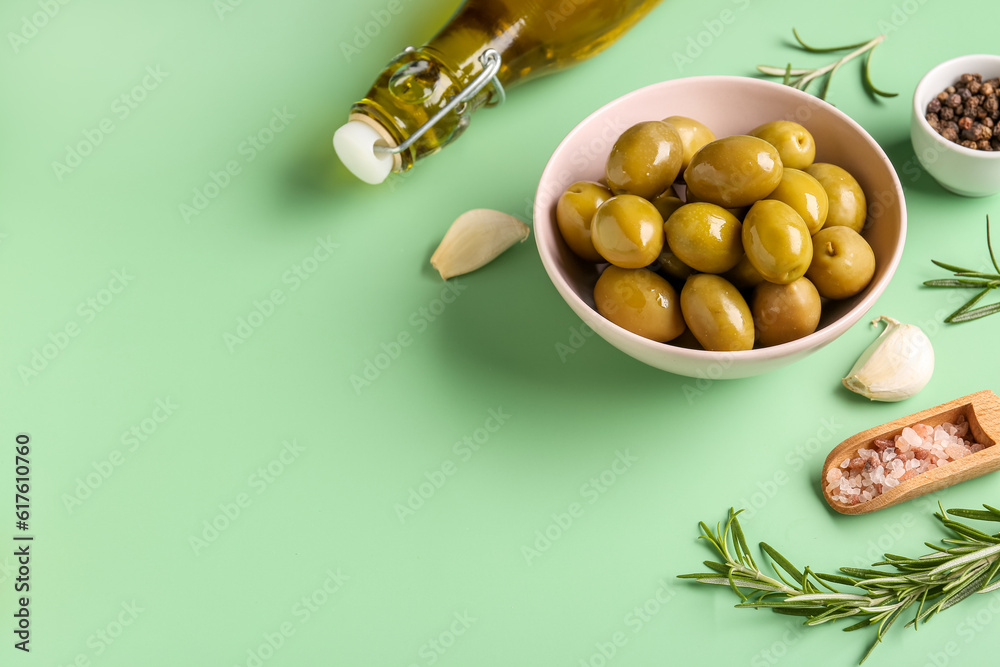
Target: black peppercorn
[{"x": 968, "y": 112}]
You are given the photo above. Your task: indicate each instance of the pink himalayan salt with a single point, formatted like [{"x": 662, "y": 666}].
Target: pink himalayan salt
[{"x": 887, "y": 463}]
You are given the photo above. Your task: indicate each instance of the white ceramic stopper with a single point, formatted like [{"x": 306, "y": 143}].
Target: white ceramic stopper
[{"x": 354, "y": 142}]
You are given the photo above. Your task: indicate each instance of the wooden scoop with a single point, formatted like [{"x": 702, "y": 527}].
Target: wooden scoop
[{"x": 981, "y": 410}]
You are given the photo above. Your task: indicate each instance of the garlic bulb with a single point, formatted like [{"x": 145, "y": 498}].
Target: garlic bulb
[
  {"x": 897, "y": 365},
  {"x": 475, "y": 239}
]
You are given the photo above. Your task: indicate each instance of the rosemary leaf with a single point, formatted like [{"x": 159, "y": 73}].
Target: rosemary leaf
[
  {"x": 951, "y": 267},
  {"x": 990, "y": 514},
  {"x": 782, "y": 561},
  {"x": 969, "y": 531},
  {"x": 861, "y": 573},
  {"x": 989, "y": 244},
  {"x": 963, "y": 592},
  {"x": 968, "y": 305},
  {"x": 837, "y": 579},
  {"x": 792, "y": 611},
  {"x": 832, "y": 49},
  {"x": 868, "y": 80},
  {"x": 959, "y": 283},
  {"x": 859, "y": 625},
  {"x": 992, "y": 587},
  {"x": 977, "y": 274},
  {"x": 970, "y": 315},
  {"x": 829, "y": 77},
  {"x": 718, "y": 567},
  {"x": 781, "y": 71},
  {"x": 742, "y": 541}
]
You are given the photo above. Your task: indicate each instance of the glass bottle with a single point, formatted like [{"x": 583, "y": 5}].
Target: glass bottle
[{"x": 422, "y": 100}]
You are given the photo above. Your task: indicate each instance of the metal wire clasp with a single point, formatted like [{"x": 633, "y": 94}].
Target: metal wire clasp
[{"x": 491, "y": 61}]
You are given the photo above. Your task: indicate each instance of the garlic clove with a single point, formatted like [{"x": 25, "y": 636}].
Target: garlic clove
[
  {"x": 475, "y": 239},
  {"x": 897, "y": 364}
]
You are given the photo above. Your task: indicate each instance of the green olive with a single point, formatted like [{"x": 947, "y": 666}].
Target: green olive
[
  {"x": 687, "y": 340},
  {"x": 716, "y": 313},
  {"x": 668, "y": 262},
  {"x": 783, "y": 313},
  {"x": 645, "y": 159},
  {"x": 574, "y": 213},
  {"x": 640, "y": 301},
  {"x": 744, "y": 275},
  {"x": 843, "y": 263},
  {"x": 777, "y": 241},
  {"x": 693, "y": 135},
  {"x": 795, "y": 144},
  {"x": 672, "y": 266},
  {"x": 803, "y": 193},
  {"x": 848, "y": 207},
  {"x": 706, "y": 237},
  {"x": 667, "y": 202},
  {"x": 734, "y": 171},
  {"x": 628, "y": 231}
]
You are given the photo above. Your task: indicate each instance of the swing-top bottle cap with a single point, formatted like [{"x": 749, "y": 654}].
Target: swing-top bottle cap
[{"x": 355, "y": 143}]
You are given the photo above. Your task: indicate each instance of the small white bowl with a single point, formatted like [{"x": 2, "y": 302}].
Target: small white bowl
[
  {"x": 728, "y": 105},
  {"x": 964, "y": 171}
]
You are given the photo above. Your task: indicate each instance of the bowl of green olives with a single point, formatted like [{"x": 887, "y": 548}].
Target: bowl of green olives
[{"x": 719, "y": 226}]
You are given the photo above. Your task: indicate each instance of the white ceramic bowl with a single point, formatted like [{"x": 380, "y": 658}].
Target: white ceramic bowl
[
  {"x": 728, "y": 105},
  {"x": 964, "y": 171}
]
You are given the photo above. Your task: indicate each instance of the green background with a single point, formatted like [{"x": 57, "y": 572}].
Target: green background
[{"x": 450, "y": 583}]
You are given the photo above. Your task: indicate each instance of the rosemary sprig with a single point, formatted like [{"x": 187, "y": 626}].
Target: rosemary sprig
[
  {"x": 968, "y": 564},
  {"x": 970, "y": 279},
  {"x": 801, "y": 78}
]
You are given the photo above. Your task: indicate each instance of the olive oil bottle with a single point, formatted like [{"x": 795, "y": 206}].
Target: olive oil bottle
[{"x": 422, "y": 100}]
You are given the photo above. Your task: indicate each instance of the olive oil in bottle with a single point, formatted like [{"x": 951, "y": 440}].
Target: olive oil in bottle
[{"x": 422, "y": 100}]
